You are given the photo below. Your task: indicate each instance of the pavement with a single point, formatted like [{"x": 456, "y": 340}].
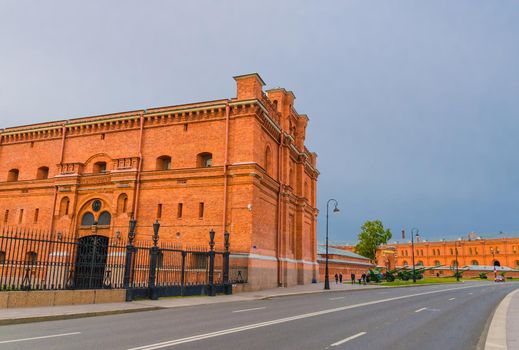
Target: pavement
[
  {"x": 503, "y": 332},
  {"x": 451, "y": 316},
  {"x": 38, "y": 314}
]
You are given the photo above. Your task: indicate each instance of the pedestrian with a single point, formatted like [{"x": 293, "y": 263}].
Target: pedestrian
[
  {"x": 340, "y": 277},
  {"x": 364, "y": 278},
  {"x": 336, "y": 278},
  {"x": 352, "y": 278}
]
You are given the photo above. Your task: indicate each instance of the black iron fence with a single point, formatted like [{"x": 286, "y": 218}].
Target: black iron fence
[{"x": 38, "y": 260}]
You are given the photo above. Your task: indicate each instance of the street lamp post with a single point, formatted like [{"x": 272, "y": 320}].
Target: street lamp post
[
  {"x": 493, "y": 261},
  {"x": 456, "y": 261},
  {"x": 414, "y": 232},
  {"x": 335, "y": 210}
]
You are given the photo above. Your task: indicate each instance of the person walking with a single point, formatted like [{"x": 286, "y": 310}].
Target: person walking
[
  {"x": 364, "y": 278},
  {"x": 336, "y": 278},
  {"x": 340, "y": 277},
  {"x": 352, "y": 278}
]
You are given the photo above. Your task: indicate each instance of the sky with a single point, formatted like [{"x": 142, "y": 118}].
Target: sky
[{"x": 413, "y": 105}]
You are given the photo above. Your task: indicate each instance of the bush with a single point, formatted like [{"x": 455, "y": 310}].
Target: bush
[{"x": 483, "y": 275}]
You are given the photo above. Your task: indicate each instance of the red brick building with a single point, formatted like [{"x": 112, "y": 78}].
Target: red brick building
[
  {"x": 237, "y": 165},
  {"x": 342, "y": 260}
]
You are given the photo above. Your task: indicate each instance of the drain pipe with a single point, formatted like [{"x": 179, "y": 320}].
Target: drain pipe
[
  {"x": 135, "y": 208},
  {"x": 225, "y": 165},
  {"x": 280, "y": 181}
]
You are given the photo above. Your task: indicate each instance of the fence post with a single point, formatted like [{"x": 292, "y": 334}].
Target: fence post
[
  {"x": 183, "y": 273},
  {"x": 211, "y": 290},
  {"x": 227, "y": 287},
  {"x": 129, "y": 259},
  {"x": 153, "y": 262}
]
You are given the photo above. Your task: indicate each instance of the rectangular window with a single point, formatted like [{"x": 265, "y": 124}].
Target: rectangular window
[
  {"x": 179, "y": 211},
  {"x": 201, "y": 210},
  {"x": 476, "y": 251},
  {"x": 6, "y": 216},
  {"x": 36, "y": 214},
  {"x": 159, "y": 211},
  {"x": 20, "y": 218},
  {"x": 470, "y": 251}
]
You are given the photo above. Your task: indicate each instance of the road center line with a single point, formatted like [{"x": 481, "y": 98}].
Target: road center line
[
  {"x": 283, "y": 320},
  {"x": 337, "y": 298},
  {"x": 245, "y": 310},
  {"x": 42, "y": 337},
  {"x": 348, "y": 339},
  {"x": 420, "y": 310}
]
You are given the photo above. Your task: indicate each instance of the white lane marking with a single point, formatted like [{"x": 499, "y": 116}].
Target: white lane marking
[
  {"x": 283, "y": 320},
  {"x": 337, "y": 298},
  {"x": 245, "y": 310},
  {"x": 348, "y": 339},
  {"x": 452, "y": 298},
  {"x": 42, "y": 337},
  {"x": 420, "y": 310}
]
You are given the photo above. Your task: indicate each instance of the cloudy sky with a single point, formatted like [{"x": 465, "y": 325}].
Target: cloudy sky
[{"x": 413, "y": 105}]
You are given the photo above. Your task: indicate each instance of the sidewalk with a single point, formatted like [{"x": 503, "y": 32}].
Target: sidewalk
[
  {"x": 503, "y": 332},
  {"x": 23, "y": 315}
]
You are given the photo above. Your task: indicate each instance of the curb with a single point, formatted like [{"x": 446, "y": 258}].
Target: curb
[
  {"x": 496, "y": 336},
  {"x": 73, "y": 316}
]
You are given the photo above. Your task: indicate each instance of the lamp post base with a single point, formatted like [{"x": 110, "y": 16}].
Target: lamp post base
[{"x": 326, "y": 283}]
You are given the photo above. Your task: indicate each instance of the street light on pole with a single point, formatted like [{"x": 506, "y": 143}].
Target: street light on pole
[
  {"x": 335, "y": 210},
  {"x": 456, "y": 261},
  {"x": 414, "y": 232}
]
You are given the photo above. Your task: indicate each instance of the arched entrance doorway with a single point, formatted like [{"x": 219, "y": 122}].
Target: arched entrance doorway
[
  {"x": 91, "y": 262},
  {"x": 93, "y": 237},
  {"x": 497, "y": 263}
]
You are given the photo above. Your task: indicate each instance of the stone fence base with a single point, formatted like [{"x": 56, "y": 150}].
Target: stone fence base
[{"x": 60, "y": 297}]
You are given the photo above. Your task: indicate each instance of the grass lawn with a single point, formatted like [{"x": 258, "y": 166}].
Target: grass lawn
[{"x": 425, "y": 280}]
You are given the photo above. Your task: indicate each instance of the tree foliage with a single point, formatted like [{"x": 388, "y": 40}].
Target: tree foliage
[{"x": 373, "y": 234}]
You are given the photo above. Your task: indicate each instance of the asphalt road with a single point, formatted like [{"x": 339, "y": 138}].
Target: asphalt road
[{"x": 427, "y": 317}]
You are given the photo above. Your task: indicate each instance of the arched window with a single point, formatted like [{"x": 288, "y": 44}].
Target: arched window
[
  {"x": 305, "y": 194},
  {"x": 291, "y": 177},
  {"x": 2, "y": 257},
  {"x": 268, "y": 160},
  {"x": 474, "y": 262},
  {"x": 122, "y": 203},
  {"x": 405, "y": 263},
  {"x": 43, "y": 173},
  {"x": 204, "y": 160},
  {"x": 12, "y": 175},
  {"x": 275, "y": 102},
  {"x": 63, "y": 206},
  {"x": 454, "y": 263},
  {"x": 99, "y": 168},
  {"x": 437, "y": 263},
  {"x": 104, "y": 219},
  {"x": 31, "y": 258},
  {"x": 87, "y": 219},
  {"x": 419, "y": 263},
  {"x": 163, "y": 163}
]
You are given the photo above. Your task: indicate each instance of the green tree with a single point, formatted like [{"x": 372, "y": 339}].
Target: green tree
[{"x": 373, "y": 234}]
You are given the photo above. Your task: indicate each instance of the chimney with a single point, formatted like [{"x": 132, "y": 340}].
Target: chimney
[{"x": 249, "y": 86}]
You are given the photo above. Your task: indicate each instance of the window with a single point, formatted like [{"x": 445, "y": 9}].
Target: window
[
  {"x": 201, "y": 210},
  {"x": 205, "y": 160},
  {"x": 438, "y": 251},
  {"x": 99, "y": 168},
  {"x": 291, "y": 177},
  {"x": 43, "y": 173},
  {"x": 419, "y": 263},
  {"x": 31, "y": 258},
  {"x": 437, "y": 263},
  {"x": 36, "y": 214},
  {"x": 185, "y": 126},
  {"x": 268, "y": 160},
  {"x": 476, "y": 251},
  {"x": 63, "y": 206},
  {"x": 514, "y": 249},
  {"x": 198, "y": 261},
  {"x": 405, "y": 263},
  {"x": 122, "y": 203},
  {"x": 454, "y": 263},
  {"x": 163, "y": 163},
  {"x": 179, "y": 210},
  {"x": 452, "y": 251},
  {"x": 20, "y": 217},
  {"x": 517, "y": 264},
  {"x": 470, "y": 251},
  {"x": 2, "y": 257},
  {"x": 6, "y": 216},
  {"x": 12, "y": 175},
  {"x": 87, "y": 219},
  {"x": 105, "y": 219},
  {"x": 434, "y": 252},
  {"x": 474, "y": 262},
  {"x": 159, "y": 211},
  {"x": 305, "y": 194}
]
